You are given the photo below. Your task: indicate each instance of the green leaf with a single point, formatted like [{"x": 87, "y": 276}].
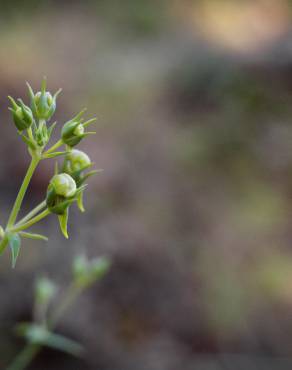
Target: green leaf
[
  {"x": 33, "y": 236},
  {"x": 37, "y": 334},
  {"x": 63, "y": 221},
  {"x": 63, "y": 344},
  {"x": 92, "y": 173},
  {"x": 14, "y": 243}
]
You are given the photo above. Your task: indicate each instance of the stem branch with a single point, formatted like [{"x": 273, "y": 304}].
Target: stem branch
[
  {"x": 31, "y": 222},
  {"x": 32, "y": 213},
  {"x": 54, "y": 147}
]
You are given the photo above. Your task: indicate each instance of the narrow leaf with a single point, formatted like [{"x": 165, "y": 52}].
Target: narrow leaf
[
  {"x": 63, "y": 221},
  {"x": 80, "y": 202},
  {"x": 33, "y": 236},
  {"x": 14, "y": 243},
  {"x": 39, "y": 335},
  {"x": 91, "y": 173},
  {"x": 61, "y": 343}
]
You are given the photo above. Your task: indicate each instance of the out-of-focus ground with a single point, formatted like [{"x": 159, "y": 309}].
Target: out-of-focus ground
[{"x": 194, "y": 206}]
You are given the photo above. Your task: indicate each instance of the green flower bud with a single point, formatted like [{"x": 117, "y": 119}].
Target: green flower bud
[
  {"x": 77, "y": 160},
  {"x": 22, "y": 114},
  {"x": 60, "y": 193},
  {"x": 63, "y": 185},
  {"x": 43, "y": 104},
  {"x": 73, "y": 131}
]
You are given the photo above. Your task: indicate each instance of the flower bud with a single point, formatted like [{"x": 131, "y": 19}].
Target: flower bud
[
  {"x": 22, "y": 114},
  {"x": 73, "y": 131},
  {"x": 43, "y": 104},
  {"x": 63, "y": 185},
  {"x": 77, "y": 160},
  {"x": 60, "y": 193}
]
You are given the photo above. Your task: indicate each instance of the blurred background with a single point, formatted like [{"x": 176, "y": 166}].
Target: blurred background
[{"x": 194, "y": 206}]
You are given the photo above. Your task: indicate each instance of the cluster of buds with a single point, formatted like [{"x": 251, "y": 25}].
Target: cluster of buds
[
  {"x": 33, "y": 118},
  {"x": 66, "y": 186}
]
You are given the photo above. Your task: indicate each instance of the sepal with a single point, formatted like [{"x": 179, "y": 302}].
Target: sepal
[
  {"x": 43, "y": 104},
  {"x": 63, "y": 221}
]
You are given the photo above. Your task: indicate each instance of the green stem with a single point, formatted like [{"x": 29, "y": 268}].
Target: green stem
[
  {"x": 33, "y": 164},
  {"x": 31, "y": 222},
  {"x": 54, "y": 147},
  {"x": 32, "y": 213},
  {"x": 25, "y": 357}
]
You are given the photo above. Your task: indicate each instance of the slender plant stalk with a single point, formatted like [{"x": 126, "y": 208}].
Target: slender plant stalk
[
  {"x": 54, "y": 147},
  {"x": 32, "y": 213},
  {"x": 33, "y": 164},
  {"x": 31, "y": 222}
]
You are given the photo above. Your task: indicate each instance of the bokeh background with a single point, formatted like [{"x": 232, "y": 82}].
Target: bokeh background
[{"x": 194, "y": 206}]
